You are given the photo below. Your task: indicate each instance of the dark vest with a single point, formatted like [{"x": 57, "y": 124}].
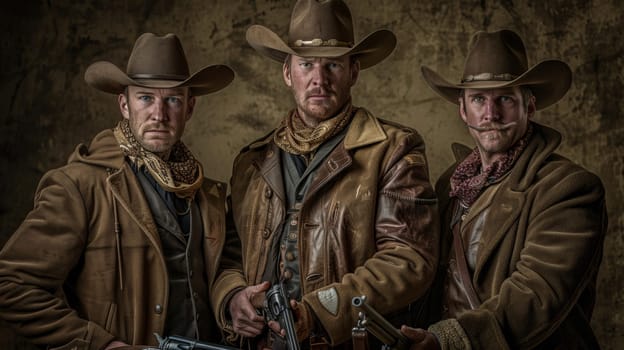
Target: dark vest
[
  {"x": 179, "y": 225},
  {"x": 297, "y": 179}
]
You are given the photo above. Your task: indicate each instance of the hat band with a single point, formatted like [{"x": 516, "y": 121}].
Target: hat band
[
  {"x": 159, "y": 76},
  {"x": 321, "y": 42},
  {"x": 489, "y": 76}
]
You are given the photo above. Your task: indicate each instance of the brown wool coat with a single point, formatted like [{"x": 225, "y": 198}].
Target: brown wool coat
[
  {"x": 67, "y": 280},
  {"x": 367, "y": 226},
  {"x": 542, "y": 231}
]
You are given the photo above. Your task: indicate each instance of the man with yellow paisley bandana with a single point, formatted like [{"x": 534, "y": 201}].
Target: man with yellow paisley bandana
[
  {"x": 334, "y": 203},
  {"x": 123, "y": 240}
]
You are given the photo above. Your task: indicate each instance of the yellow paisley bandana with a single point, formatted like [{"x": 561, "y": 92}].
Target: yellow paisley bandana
[
  {"x": 295, "y": 137},
  {"x": 181, "y": 174}
]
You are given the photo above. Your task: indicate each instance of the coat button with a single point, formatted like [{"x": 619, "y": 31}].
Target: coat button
[
  {"x": 290, "y": 256},
  {"x": 288, "y": 274},
  {"x": 268, "y": 193},
  {"x": 266, "y": 233},
  {"x": 158, "y": 309}
]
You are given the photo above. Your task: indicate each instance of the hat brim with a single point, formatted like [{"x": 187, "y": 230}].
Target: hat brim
[
  {"x": 371, "y": 50},
  {"x": 107, "y": 77},
  {"x": 548, "y": 80}
]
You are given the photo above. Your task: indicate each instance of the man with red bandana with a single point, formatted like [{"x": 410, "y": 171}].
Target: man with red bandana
[{"x": 522, "y": 226}]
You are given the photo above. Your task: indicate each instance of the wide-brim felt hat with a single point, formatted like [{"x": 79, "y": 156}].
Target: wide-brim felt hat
[
  {"x": 158, "y": 62},
  {"x": 322, "y": 29},
  {"x": 498, "y": 60}
]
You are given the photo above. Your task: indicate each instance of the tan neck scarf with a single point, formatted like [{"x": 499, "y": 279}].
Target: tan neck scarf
[
  {"x": 181, "y": 174},
  {"x": 295, "y": 137}
]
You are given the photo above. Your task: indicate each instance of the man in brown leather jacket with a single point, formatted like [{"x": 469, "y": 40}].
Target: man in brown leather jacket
[
  {"x": 116, "y": 248},
  {"x": 523, "y": 227},
  {"x": 334, "y": 203}
]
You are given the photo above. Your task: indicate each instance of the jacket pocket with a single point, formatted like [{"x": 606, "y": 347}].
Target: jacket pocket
[
  {"x": 111, "y": 314},
  {"x": 314, "y": 281},
  {"x": 338, "y": 242}
]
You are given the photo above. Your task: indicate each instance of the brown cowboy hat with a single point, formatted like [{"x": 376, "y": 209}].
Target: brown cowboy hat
[
  {"x": 157, "y": 62},
  {"x": 322, "y": 29},
  {"x": 499, "y": 60}
]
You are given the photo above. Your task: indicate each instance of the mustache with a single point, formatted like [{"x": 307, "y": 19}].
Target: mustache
[
  {"x": 319, "y": 91},
  {"x": 492, "y": 126},
  {"x": 156, "y": 127}
]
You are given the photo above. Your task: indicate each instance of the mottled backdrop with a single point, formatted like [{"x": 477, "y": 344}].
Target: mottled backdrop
[{"x": 46, "y": 108}]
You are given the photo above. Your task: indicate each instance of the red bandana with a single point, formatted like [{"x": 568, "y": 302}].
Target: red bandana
[{"x": 468, "y": 181}]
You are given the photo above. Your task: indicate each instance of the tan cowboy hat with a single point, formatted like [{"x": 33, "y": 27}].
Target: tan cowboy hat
[
  {"x": 157, "y": 62},
  {"x": 498, "y": 60},
  {"x": 322, "y": 29}
]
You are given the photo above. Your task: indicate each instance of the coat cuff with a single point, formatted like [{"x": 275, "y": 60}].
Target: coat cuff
[
  {"x": 451, "y": 335},
  {"x": 226, "y": 320},
  {"x": 222, "y": 291}
]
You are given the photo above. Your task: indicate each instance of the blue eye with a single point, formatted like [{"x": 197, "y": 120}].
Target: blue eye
[
  {"x": 505, "y": 99},
  {"x": 145, "y": 98},
  {"x": 478, "y": 99},
  {"x": 174, "y": 101}
]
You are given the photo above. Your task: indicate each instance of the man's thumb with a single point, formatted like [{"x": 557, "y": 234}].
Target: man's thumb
[
  {"x": 414, "y": 334},
  {"x": 262, "y": 287},
  {"x": 256, "y": 294}
]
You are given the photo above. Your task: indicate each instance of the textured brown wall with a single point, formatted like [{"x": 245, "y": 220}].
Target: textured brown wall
[{"x": 46, "y": 108}]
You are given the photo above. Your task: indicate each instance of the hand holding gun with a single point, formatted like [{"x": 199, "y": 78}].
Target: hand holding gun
[
  {"x": 277, "y": 308},
  {"x": 378, "y": 326}
]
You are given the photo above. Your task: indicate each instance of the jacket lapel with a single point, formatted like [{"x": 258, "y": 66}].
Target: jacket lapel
[
  {"x": 211, "y": 200},
  {"x": 338, "y": 160},
  {"x": 127, "y": 191},
  {"x": 363, "y": 130},
  {"x": 271, "y": 170},
  {"x": 500, "y": 219}
]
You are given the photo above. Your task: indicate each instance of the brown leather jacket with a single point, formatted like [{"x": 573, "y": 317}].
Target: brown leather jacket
[
  {"x": 540, "y": 232},
  {"x": 86, "y": 266},
  {"x": 368, "y": 224}
]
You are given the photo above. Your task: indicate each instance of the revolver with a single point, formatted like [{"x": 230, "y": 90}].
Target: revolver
[{"x": 277, "y": 308}]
